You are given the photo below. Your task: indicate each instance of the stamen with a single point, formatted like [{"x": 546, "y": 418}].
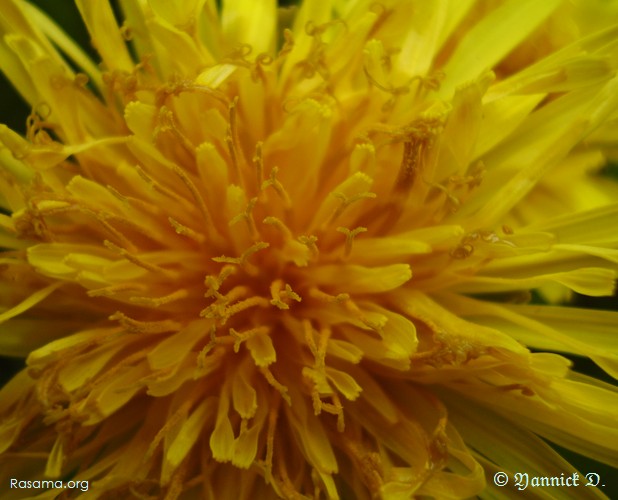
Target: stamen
[
  {"x": 247, "y": 216},
  {"x": 126, "y": 32},
  {"x": 139, "y": 262},
  {"x": 315, "y": 62},
  {"x": 346, "y": 202},
  {"x": 175, "y": 88},
  {"x": 236, "y": 293},
  {"x": 257, "y": 70},
  {"x": 285, "y": 485},
  {"x": 310, "y": 243},
  {"x": 317, "y": 30},
  {"x": 471, "y": 181},
  {"x": 223, "y": 312},
  {"x": 167, "y": 121},
  {"x": 214, "y": 358},
  {"x": 273, "y": 414},
  {"x": 432, "y": 81},
  {"x": 240, "y": 337},
  {"x": 170, "y": 423},
  {"x": 239, "y": 55},
  {"x": 148, "y": 232},
  {"x": 462, "y": 251},
  {"x": 258, "y": 161},
  {"x": 186, "y": 231},
  {"x": 453, "y": 200},
  {"x": 368, "y": 463},
  {"x": 308, "y": 330},
  {"x": 413, "y": 153},
  {"x": 466, "y": 246},
  {"x": 274, "y": 221},
  {"x": 318, "y": 375},
  {"x": 36, "y": 126},
  {"x": 277, "y": 186},
  {"x": 28, "y": 224},
  {"x": 278, "y": 294},
  {"x": 231, "y": 140},
  {"x": 113, "y": 231},
  {"x": 355, "y": 310},
  {"x": 159, "y": 301},
  {"x": 117, "y": 194},
  {"x": 200, "y": 203},
  {"x": 215, "y": 282},
  {"x": 438, "y": 447},
  {"x": 231, "y": 148},
  {"x": 417, "y": 138},
  {"x": 246, "y": 304},
  {"x": 336, "y": 408},
  {"x": 270, "y": 378},
  {"x": 320, "y": 295},
  {"x": 349, "y": 236},
  {"x": 391, "y": 89},
  {"x": 159, "y": 187},
  {"x": 288, "y": 43},
  {"x": 110, "y": 291},
  {"x": 320, "y": 358},
  {"x": 242, "y": 260},
  {"x": 135, "y": 326},
  {"x": 178, "y": 480}
]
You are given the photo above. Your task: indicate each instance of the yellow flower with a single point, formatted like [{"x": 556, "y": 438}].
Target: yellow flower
[{"x": 262, "y": 253}]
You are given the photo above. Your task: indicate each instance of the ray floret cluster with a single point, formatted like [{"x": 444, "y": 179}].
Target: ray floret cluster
[{"x": 288, "y": 253}]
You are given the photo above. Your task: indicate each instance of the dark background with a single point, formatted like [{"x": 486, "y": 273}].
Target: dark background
[{"x": 13, "y": 112}]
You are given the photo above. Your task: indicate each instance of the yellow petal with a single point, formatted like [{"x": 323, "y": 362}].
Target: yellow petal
[
  {"x": 565, "y": 329},
  {"x": 176, "y": 51},
  {"x": 385, "y": 249},
  {"x": 313, "y": 439},
  {"x": 190, "y": 432},
  {"x": 344, "y": 350},
  {"x": 115, "y": 393},
  {"x": 84, "y": 367},
  {"x": 177, "y": 12},
  {"x": 173, "y": 349},
  {"x": 245, "y": 447},
  {"x": 360, "y": 279},
  {"x": 244, "y": 396},
  {"x": 423, "y": 30},
  {"x": 30, "y": 302},
  {"x": 99, "y": 19},
  {"x": 20, "y": 170},
  {"x": 345, "y": 383},
  {"x": 593, "y": 281},
  {"x": 509, "y": 112},
  {"x": 253, "y": 23},
  {"x": 262, "y": 350},
  {"x": 55, "y": 461},
  {"x": 222, "y": 437},
  {"x": 519, "y": 449},
  {"x": 64, "y": 43},
  {"x": 498, "y": 33},
  {"x": 463, "y": 127}
]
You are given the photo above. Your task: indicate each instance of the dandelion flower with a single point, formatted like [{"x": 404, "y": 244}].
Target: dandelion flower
[{"x": 262, "y": 253}]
